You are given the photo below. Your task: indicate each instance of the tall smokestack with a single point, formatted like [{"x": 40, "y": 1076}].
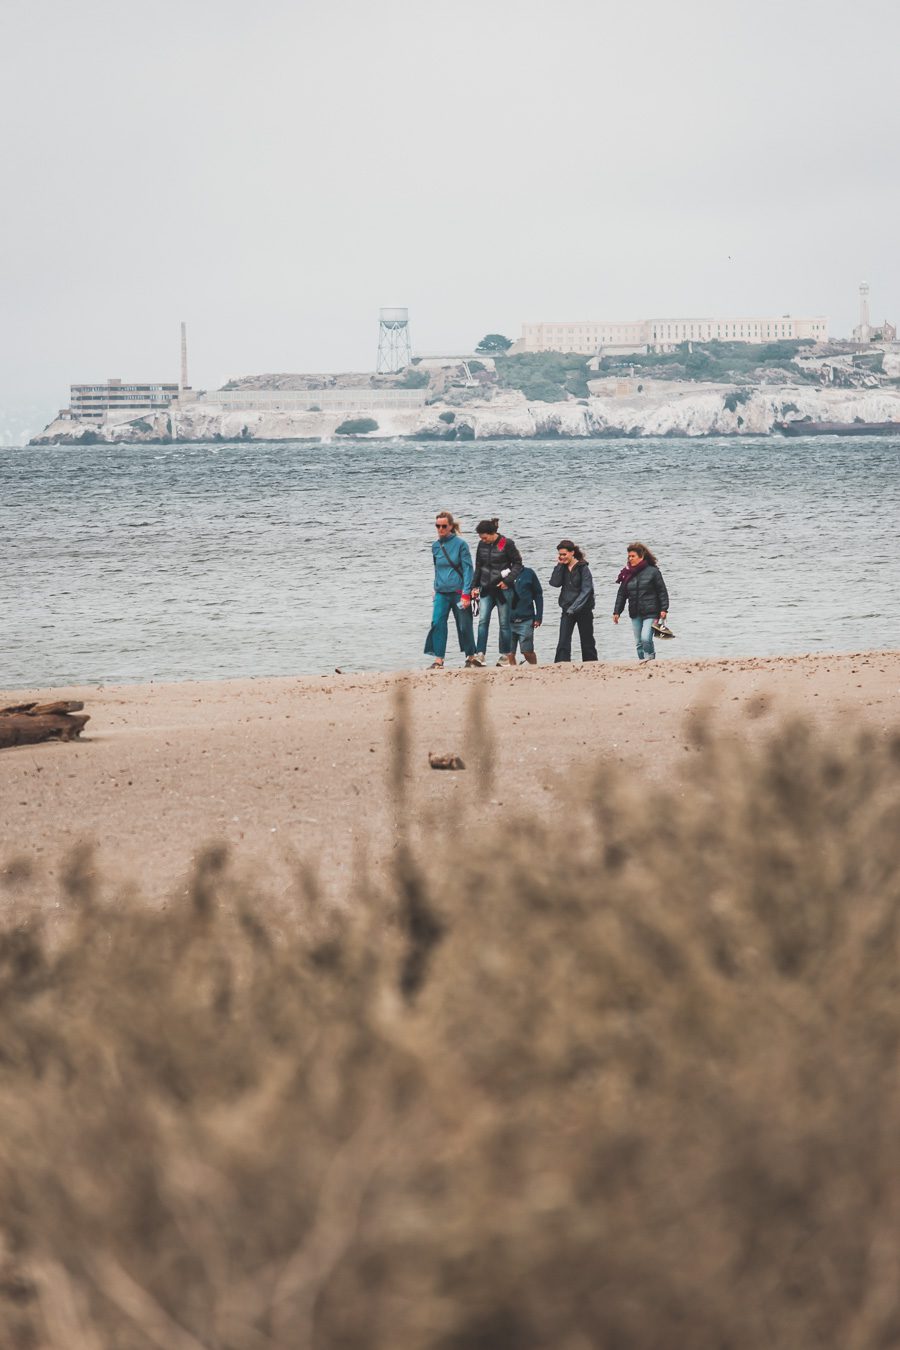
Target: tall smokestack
[{"x": 184, "y": 375}]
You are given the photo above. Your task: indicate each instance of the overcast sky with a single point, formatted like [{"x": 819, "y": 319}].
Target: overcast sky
[{"x": 272, "y": 171}]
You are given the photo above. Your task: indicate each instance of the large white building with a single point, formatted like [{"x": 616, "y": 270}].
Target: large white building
[
  {"x": 95, "y": 402},
  {"x": 588, "y": 338}
]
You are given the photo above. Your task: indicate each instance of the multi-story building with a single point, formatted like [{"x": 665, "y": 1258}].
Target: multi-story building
[
  {"x": 588, "y": 338},
  {"x": 94, "y": 402}
]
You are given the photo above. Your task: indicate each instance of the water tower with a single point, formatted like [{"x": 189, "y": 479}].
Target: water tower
[{"x": 393, "y": 341}]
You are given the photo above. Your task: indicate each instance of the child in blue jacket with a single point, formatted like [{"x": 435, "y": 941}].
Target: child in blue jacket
[{"x": 526, "y": 599}]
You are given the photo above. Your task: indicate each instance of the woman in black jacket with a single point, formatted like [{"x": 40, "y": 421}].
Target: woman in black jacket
[
  {"x": 576, "y": 600},
  {"x": 641, "y": 584},
  {"x": 495, "y": 558}
]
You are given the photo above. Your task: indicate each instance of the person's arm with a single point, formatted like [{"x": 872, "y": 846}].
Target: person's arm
[
  {"x": 476, "y": 584},
  {"x": 584, "y": 595},
  {"x": 557, "y": 575},
  {"x": 662, "y": 595},
  {"x": 465, "y": 559},
  {"x": 538, "y": 596},
  {"x": 512, "y": 554},
  {"x": 621, "y": 597}
]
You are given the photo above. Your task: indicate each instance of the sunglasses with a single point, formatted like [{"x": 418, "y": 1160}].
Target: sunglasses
[{"x": 439, "y": 526}]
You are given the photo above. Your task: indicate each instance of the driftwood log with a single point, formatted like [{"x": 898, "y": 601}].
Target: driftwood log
[{"x": 28, "y": 723}]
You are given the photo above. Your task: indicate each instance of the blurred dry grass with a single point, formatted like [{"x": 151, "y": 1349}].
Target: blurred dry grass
[{"x": 626, "y": 1080}]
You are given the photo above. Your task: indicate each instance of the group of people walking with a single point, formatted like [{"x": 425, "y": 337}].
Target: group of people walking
[{"x": 499, "y": 582}]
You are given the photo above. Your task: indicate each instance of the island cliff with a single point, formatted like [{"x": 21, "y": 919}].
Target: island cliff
[{"x": 660, "y": 409}]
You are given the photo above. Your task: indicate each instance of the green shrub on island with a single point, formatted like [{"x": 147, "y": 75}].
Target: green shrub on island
[
  {"x": 356, "y": 426},
  {"x": 716, "y": 362},
  {"x": 545, "y": 377},
  {"x": 543, "y": 391},
  {"x": 413, "y": 379}
]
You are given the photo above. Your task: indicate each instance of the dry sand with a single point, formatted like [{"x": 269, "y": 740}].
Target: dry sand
[{"x": 284, "y": 770}]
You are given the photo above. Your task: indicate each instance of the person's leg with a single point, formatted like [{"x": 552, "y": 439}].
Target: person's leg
[
  {"x": 464, "y": 627},
  {"x": 585, "y": 618},
  {"x": 439, "y": 616},
  {"x": 504, "y": 618},
  {"x": 647, "y": 639},
  {"x": 638, "y": 626},
  {"x": 526, "y": 641},
  {"x": 486, "y": 603},
  {"x": 564, "y": 645}
]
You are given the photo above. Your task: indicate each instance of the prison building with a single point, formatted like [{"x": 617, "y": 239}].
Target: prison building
[{"x": 588, "y": 338}]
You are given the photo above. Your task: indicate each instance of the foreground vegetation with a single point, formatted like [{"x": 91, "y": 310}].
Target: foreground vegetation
[{"x": 624, "y": 1081}]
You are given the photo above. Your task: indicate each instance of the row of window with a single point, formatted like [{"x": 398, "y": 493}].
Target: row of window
[{"x": 78, "y": 389}]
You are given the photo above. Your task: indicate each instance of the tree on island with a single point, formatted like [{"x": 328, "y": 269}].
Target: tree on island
[{"x": 493, "y": 343}]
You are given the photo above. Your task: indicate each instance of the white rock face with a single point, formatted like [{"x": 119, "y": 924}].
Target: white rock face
[{"x": 674, "y": 410}]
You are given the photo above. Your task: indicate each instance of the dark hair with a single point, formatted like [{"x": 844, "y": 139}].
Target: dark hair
[
  {"x": 488, "y": 526},
  {"x": 573, "y": 548},
  {"x": 643, "y": 552}
]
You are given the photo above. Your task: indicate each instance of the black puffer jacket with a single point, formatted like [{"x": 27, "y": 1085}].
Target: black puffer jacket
[
  {"x": 491, "y": 560},
  {"x": 646, "y": 594}
]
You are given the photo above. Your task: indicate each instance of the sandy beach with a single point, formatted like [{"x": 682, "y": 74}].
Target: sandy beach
[{"x": 290, "y": 771}]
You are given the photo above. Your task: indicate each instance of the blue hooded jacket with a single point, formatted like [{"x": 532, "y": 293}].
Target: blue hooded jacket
[
  {"x": 526, "y": 597},
  {"x": 447, "y": 577}
]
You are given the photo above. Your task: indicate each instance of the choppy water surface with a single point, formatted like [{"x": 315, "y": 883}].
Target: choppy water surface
[{"x": 186, "y": 562}]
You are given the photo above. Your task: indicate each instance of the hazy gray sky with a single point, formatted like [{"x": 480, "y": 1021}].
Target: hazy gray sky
[{"x": 272, "y": 171}]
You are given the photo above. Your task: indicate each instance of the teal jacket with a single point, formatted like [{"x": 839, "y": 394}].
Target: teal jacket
[{"x": 453, "y": 569}]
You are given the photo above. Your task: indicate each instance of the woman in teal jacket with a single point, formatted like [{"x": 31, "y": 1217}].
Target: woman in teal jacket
[{"x": 453, "y": 574}]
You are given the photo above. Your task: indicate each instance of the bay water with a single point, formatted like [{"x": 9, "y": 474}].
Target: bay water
[{"x": 174, "y": 562}]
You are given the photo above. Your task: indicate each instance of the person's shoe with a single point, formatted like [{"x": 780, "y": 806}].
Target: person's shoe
[
  {"x": 476, "y": 660},
  {"x": 436, "y": 665},
  {"x": 503, "y": 661}
]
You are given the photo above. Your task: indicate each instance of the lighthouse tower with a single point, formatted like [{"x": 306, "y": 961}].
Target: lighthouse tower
[{"x": 863, "y": 330}]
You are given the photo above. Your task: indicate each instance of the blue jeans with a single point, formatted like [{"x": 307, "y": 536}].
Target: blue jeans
[
  {"x": 488, "y": 603},
  {"x": 436, "y": 641},
  {"x": 643, "y": 636}
]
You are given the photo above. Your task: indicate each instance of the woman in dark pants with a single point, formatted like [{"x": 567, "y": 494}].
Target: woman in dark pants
[
  {"x": 495, "y": 558},
  {"x": 641, "y": 585},
  {"x": 576, "y": 600}
]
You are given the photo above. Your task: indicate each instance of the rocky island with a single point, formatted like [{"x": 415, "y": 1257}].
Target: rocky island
[{"x": 713, "y": 389}]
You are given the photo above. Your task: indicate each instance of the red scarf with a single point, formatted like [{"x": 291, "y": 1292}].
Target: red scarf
[{"x": 628, "y": 572}]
